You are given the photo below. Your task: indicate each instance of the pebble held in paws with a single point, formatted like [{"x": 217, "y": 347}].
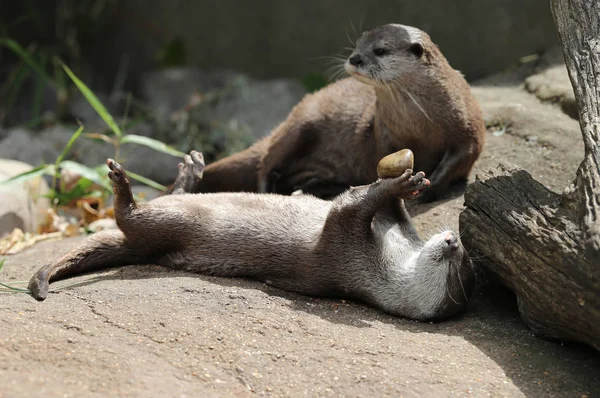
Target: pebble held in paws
[
  {"x": 402, "y": 93},
  {"x": 361, "y": 245}
]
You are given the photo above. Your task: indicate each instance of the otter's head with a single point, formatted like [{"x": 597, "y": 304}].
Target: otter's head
[
  {"x": 446, "y": 275},
  {"x": 387, "y": 54}
]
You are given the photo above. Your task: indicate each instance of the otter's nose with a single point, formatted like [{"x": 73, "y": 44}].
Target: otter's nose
[
  {"x": 451, "y": 240},
  {"x": 356, "y": 60}
]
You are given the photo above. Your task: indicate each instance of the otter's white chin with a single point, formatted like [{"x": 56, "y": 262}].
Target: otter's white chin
[
  {"x": 350, "y": 69},
  {"x": 353, "y": 71}
]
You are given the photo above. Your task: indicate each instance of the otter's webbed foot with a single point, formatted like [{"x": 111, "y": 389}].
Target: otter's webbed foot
[
  {"x": 190, "y": 173},
  {"x": 121, "y": 188},
  {"x": 118, "y": 175}
]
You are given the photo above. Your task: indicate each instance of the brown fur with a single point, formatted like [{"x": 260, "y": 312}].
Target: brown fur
[
  {"x": 361, "y": 245},
  {"x": 334, "y": 138}
]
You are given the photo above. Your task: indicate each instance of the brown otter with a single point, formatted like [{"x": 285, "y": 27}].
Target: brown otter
[
  {"x": 402, "y": 94},
  {"x": 361, "y": 245}
]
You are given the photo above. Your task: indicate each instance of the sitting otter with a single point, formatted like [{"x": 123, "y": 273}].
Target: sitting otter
[
  {"x": 361, "y": 245},
  {"x": 402, "y": 94}
]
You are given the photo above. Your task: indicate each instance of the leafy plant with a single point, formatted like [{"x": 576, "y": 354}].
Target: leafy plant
[
  {"x": 35, "y": 61},
  {"x": 69, "y": 29},
  {"x": 93, "y": 181}
]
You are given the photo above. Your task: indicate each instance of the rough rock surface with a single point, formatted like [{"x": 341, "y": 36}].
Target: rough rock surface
[
  {"x": 554, "y": 85},
  {"x": 21, "y": 205},
  {"x": 256, "y": 105},
  {"x": 145, "y": 330}
]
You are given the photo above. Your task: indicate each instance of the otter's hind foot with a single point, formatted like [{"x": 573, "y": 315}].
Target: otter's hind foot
[
  {"x": 190, "y": 173},
  {"x": 117, "y": 175},
  {"x": 122, "y": 186}
]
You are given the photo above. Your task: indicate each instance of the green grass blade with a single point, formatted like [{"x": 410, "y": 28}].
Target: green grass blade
[
  {"x": 28, "y": 175},
  {"x": 15, "y": 289},
  {"x": 2, "y": 263},
  {"x": 151, "y": 143},
  {"x": 86, "y": 172},
  {"x": 94, "y": 102},
  {"x": 21, "y": 52},
  {"x": 146, "y": 181},
  {"x": 67, "y": 148}
]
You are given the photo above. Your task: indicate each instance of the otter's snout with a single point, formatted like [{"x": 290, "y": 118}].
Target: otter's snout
[
  {"x": 356, "y": 60},
  {"x": 452, "y": 241}
]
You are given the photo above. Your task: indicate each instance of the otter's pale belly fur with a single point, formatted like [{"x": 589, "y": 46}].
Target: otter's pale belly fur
[{"x": 361, "y": 245}]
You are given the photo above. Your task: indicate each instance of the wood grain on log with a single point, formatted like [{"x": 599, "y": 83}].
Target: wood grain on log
[
  {"x": 515, "y": 226},
  {"x": 578, "y": 26},
  {"x": 542, "y": 245}
]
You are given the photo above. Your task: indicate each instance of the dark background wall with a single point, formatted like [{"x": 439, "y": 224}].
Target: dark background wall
[
  {"x": 272, "y": 38},
  {"x": 285, "y": 38}
]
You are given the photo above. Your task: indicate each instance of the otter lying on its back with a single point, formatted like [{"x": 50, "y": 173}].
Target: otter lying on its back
[
  {"x": 402, "y": 94},
  {"x": 361, "y": 245}
]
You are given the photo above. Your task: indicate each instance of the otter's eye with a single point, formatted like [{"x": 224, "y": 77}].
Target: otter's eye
[
  {"x": 416, "y": 49},
  {"x": 380, "y": 52}
]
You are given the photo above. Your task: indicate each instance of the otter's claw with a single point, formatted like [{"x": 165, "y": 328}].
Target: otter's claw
[
  {"x": 117, "y": 173},
  {"x": 419, "y": 183},
  {"x": 409, "y": 186}
]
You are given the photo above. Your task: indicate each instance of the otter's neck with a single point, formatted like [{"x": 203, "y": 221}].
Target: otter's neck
[{"x": 406, "y": 108}]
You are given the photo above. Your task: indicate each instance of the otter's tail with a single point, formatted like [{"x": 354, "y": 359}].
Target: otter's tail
[{"x": 102, "y": 250}]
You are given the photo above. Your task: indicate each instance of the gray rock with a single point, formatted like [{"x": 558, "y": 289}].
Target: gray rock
[
  {"x": 261, "y": 105},
  {"x": 255, "y": 106},
  {"x": 80, "y": 109},
  {"x": 45, "y": 146},
  {"x": 169, "y": 90},
  {"x": 26, "y": 146},
  {"x": 553, "y": 85},
  {"x": 22, "y": 204},
  {"x": 157, "y": 166}
]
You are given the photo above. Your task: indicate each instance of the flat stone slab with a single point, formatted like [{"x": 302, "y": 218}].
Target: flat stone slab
[{"x": 138, "y": 330}]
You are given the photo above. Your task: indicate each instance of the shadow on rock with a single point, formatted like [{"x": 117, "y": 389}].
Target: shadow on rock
[{"x": 491, "y": 323}]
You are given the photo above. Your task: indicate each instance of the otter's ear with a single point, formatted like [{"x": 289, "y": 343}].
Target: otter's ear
[{"x": 416, "y": 49}]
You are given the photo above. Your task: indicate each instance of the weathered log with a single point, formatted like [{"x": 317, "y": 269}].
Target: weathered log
[
  {"x": 542, "y": 245},
  {"x": 518, "y": 230},
  {"x": 578, "y": 25}
]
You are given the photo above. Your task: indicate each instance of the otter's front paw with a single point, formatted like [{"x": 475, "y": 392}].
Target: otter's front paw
[{"x": 409, "y": 186}]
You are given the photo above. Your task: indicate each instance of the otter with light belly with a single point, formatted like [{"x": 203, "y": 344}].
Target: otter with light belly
[
  {"x": 402, "y": 93},
  {"x": 361, "y": 245}
]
